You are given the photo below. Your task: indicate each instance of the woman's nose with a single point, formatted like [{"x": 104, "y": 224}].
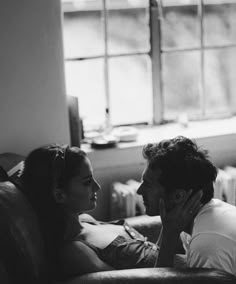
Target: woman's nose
[{"x": 96, "y": 186}]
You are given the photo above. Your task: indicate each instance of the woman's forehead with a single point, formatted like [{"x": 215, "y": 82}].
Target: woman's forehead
[{"x": 85, "y": 169}]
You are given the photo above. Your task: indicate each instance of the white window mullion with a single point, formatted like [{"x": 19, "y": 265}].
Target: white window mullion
[
  {"x": 156, "y": 62},
  {"x": 106, "y": 66},
  {"x": 202, "y": 62}
]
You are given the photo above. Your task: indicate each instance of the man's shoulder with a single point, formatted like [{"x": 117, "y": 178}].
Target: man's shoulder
[
  {"x": 216, "y": 220},
  {"x": 209, "y": 243},
  {"x": 214, "y": 214}
]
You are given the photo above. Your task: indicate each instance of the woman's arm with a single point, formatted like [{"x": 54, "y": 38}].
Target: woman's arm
[{"x": 77, "y": 259}]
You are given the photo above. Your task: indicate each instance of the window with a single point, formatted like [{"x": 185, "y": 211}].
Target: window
[{"x": 148, "y": 61}]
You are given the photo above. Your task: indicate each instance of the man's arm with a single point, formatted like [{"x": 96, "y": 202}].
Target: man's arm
[
  {"x": 167, "y": 250},
  {"x": 180, "y": 261}
]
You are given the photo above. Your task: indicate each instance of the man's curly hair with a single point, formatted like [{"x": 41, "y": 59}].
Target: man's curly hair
[{"x": 183, "y": 165}]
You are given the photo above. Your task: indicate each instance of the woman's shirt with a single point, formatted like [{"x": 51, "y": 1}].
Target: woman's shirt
[{"x": 125, "y": 252}]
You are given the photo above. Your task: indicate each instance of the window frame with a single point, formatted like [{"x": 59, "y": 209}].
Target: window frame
[
  {"x": 156, "y": 7},
  {"x": 155, "y": 54}
]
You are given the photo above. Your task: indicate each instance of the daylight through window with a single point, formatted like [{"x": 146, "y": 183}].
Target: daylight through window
[{"x": 148, "y": 61}]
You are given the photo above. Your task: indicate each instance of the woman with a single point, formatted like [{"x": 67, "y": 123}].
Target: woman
[{"x": 59, "y": 183}]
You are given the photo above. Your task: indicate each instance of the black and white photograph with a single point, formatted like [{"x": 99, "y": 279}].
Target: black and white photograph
[{"x": 118, "y": 142}]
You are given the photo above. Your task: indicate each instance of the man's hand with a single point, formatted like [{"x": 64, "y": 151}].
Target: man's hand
[
  {"x": 173, "y": 223},
  {"x": 181, "y": 215}
]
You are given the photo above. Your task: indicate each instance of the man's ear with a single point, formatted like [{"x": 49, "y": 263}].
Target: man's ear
[
  {"x": 59, "y": 195},
  {"x": 179, "y": 195}
]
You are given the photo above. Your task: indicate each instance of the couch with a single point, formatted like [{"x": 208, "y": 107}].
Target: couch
[{"x": 22, "y": 255}]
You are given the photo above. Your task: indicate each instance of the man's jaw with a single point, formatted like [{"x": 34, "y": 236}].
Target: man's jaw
[{"x": 151, "y": 211}]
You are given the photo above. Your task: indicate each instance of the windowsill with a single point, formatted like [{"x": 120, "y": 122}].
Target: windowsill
[{"x": 131, "y": 152}]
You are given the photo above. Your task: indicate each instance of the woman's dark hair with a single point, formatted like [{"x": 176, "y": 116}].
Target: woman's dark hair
[
  {"x": 183, "y": 165},
  {"x": 45, "y": 169}
]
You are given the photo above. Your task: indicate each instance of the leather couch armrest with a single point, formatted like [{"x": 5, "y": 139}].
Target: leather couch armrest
[{"x": 157, "y": 276}]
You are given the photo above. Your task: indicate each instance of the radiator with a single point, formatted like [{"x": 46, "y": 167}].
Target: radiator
[{"x": 126, "y": 203}]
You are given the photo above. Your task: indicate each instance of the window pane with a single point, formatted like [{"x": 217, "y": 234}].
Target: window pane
[
  {"x": 130, "y": 86},
  {"x": 83, "y": 32},
  {"x": 85, "y": 80},
  {"x": 180, "y": 26},
  {"x": 220, "y": 80},
  {"x": 128, "y": 29},
  {"x": 181, "y": 77},
  {"x": 219, "y": 24}
]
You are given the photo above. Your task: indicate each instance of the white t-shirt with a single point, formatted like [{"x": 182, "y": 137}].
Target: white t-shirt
[{"x": 213, "y": 240}]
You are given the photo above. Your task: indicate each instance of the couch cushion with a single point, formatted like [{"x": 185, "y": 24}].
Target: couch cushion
[
  {"x": 11, "y": 166},
  {"x": 21, "y": 246},
  {"x": 10, "y": 160}
]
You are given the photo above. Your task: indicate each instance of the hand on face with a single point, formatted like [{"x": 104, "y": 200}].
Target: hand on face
[{"x": 175, "y": 220}]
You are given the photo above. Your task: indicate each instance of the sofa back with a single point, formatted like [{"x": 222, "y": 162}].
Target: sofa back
[{"x": 21, "y": 246}]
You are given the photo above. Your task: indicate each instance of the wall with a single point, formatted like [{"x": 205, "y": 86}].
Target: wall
[{"x": 32, "y": 92}]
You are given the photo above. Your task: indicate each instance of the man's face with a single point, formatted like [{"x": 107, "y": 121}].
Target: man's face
[{"x": 151, "y": 190}]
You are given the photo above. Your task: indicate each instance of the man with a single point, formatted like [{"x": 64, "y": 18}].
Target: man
[{"x": 177, "y": 169}]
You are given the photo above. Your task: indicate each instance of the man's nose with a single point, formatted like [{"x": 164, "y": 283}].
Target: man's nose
[{"x": 140, "y": 190}]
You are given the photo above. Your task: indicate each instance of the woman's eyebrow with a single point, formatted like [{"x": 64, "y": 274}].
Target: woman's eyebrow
[{"x": 87, "y": 177}]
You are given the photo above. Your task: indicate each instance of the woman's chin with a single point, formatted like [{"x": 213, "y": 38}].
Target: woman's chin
[{"x": 93, "y": 204}]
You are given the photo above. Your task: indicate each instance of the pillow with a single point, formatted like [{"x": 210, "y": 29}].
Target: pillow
[
  {"x": 11, "y": 166},
  {"x": 10, "y": 160},
  {"x": 15, "y": 173}
]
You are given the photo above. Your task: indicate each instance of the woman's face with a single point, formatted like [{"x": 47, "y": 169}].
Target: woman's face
[{"x": 81, "y": 191}]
